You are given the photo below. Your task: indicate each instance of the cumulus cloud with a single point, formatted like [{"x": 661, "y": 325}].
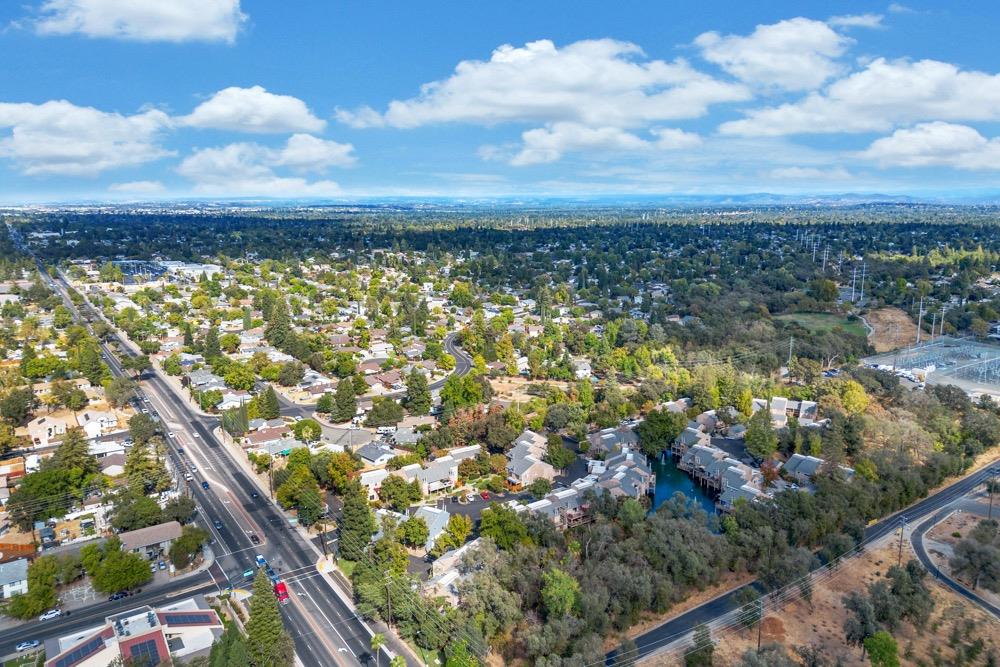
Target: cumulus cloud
[
  {"x": 305, "y": 152},
  {"x": 936, "y": 144},
  {"x": 795, "y": 54},
  {"x": 549, "y": 144},
  {"x": 856, "y": 21},
  {"x": 254, "y": 110},
  {"x": 249, "y": 169},
  {"x": 882, "y": 95},
  {"x": 143, "y": 20},
  {"x": 137, "y": 187},
  {"x": 58, "y": 137},
  {"x": 598, "y": 83}
]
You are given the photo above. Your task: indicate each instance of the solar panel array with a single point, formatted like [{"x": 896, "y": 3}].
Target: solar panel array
[
  {"x": 145, "y": 649},
  {"x": 81, "y": 652},
  {"x": 186, "y": 619}
]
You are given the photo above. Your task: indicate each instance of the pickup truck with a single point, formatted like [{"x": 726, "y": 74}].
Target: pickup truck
[{"x": 281, "y": 592}]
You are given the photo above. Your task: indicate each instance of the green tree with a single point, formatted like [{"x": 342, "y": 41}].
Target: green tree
[
  {"x": 701, "y": 653},
  {"x": 414, "y": 532},
  {"x": 145, "y": 469},
  {"x": 185, "y": 547},
  {"x": 141, "y": 428},
  {"x": 399, "y": 494},
  {"x": 340, "y": 469},
  {"x": 560, "y": 593},
  {"x": 854, "y": 397},
  {"x": 357, "y": 523},
  {"x": 557, "y": 454},
  {"x": 457, "y": 654},
  {"x": 269, "y": 407},
  {"x": 240, "y": 377},
  {"x": 210, "y": 348},
  {"x": 307, "y": 430},
  {"x": 112, "y": 569},
  {"x": 540, "y": 487},
  {"x": 268, "y": 644},
  {"x": 761, "y": 440},
  {"x": 882, "y": 650},
  {"x": 385, "y": 412},
  {"x": 16, "y": 406},
  {"x": 345, "y": 402},
  {"x": 291, "y": 373},
  {"x": 659, "y": 430},
  {"x": 180, "y": 509},
  {"x": 378, "y": 641},
  {"x": 418, "y": 395},
  {"x": 502, "y": 524},
  {"x": 325, "y": 404},
  {"x": 120, "y": 391},
  {"x": 40, "y": 495}
]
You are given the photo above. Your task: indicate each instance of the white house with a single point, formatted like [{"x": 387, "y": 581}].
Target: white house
[{"x": 13, "y": 578}]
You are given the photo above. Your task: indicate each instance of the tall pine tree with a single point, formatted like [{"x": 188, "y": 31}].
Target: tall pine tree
[
  {"x": 357, "y": 525},
  {"x": 345, "y": 402},
  {"x": 418, "y": 395},
  {"x": 268, "y": 645},
  {"x": 269, "y": 408}
]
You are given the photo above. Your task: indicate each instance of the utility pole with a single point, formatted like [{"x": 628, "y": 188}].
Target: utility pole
[
  {"x": 863, "y": 267},
  {"x": 920, "y": 318},
  {"x": 989, "y": 487},
  {"x": 760, "y": 621},
  {"x": 854, "y": 280},
  {"x": 899, "y": 555},
  {"x": 933, "y": 324},
  {"x": 826, "y": 252},
  {"x": 791, "y": 343}
]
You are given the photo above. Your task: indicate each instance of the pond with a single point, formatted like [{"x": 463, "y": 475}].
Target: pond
[{"x": 670, "y": 480}]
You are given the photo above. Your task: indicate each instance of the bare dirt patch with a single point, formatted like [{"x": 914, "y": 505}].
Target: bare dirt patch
[
  {"x": 820, "y": 622},
  {"x": 891, "y": 327}
]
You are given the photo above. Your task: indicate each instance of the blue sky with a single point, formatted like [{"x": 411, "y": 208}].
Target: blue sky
[{"x": 145, "y": 99}]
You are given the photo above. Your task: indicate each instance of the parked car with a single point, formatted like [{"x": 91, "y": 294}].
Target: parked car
[
  {"x": 28, "y": 645},
  {"x": 162, "y": 565},
  {"x": 50, "y": 614},
  {"x": 485, "y": 495},
  {"x": 469, "y": 498},
  {"x": 120, "y": 595},
  {"x": 170, "y": 434},
  {"x": 254, "y": 539}
]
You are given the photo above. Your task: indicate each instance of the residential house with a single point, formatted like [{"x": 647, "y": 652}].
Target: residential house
[
  {"x": 13, "y": 578},
  {"x": 152, "y": 540},
  {"x": 612, "y": 440},
  {"x": 626, "y": 474},
  {"x": 94, "y": 423},
  {"x": 436, "y": 520},
  {"x": 374, "y": 455},
  {"x": 524, "y": 460},
  {"x": 689, "y": 437},
  {"x": 233, "y": 399},
  {"x": 45, "y": 430}
]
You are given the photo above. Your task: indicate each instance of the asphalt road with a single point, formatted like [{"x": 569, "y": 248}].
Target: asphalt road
[
  {"x": 95, "y": 614},
  {"x": 662, "y": 635},
  {"x": 917, "y": 539},
  {"x": 325, "y": 629}
]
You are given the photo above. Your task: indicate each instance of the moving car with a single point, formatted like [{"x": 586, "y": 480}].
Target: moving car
[
  {"x": 120, "y": 595},
  {"x": 204, "y": 485},
  {"x": 254, "y": 539},
  {"x": 260, "y": 560},
  {"x": 170, "y": 434},
  {"x": 217, "y": 524},
  {"x": 51, "y": 613},
  {"x": 248, "y": 573},
  {"x": 195, "y": 435},
  {"x": 28, "y": 645},
  {"x": 254, "y": 494}
]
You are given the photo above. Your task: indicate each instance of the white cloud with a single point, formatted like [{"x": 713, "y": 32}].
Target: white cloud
[
  {"x": 882, "y": 95},
  {"x": 58, "y": 137},
  {"x": 795, "y": 54},
  {"x": 254, "y": 110},
  {"x": 856, "y": 21},
  {"x": 936, "y": 144},
  {"x": 550, "y": 143},
  {"x": 598, "y": 83},
  {"x": 810, "y": 174},
  {"x": 137, "y": 187},
  {"x": 249, "y": 169},
  {"x": 143, "y": 20},
  {"x": 305, "y": 152},
  {"x": 899, "y": 8}
]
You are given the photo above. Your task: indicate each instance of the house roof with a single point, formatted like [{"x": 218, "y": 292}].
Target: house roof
[
  {"x": 14, "y": 571},
  {"x": 144, "y": 537}
]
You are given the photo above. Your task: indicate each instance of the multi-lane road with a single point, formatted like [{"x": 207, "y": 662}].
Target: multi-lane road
[{"x": 323, "y": 623}]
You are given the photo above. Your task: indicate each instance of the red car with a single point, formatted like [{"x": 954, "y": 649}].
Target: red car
[
  {"x": 485, "y": 495},
  {"x": 281, "y": 592}
]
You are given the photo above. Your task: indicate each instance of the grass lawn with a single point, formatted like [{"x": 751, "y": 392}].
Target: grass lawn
[
  {"x": 346, "y": 566},
  {"x": 29, "y": 660},
  {"x": 818, "y": 322}
]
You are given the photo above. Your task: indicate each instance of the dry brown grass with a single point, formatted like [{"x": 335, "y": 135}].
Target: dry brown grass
[{"x": 892, "y": 328}]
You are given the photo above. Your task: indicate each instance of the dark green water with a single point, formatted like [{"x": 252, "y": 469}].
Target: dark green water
[{"x": 670, "y": 480}]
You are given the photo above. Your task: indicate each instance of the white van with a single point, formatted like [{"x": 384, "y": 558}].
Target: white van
[{"x": 385, "y": 430}]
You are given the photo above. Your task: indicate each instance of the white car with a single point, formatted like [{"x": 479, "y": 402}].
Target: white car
[
  {"x": 195, "y": 435},
  {"x": 170, "y": 435},
  {"x": 25, "y": 646},
  {"x": 51, "y": 613}
]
